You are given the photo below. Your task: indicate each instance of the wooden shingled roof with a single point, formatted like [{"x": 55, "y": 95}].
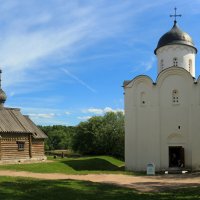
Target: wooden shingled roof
[{"x": 12, "y": 121}]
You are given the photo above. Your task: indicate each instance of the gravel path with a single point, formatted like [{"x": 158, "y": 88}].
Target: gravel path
[{"x": 140, "y": 183}]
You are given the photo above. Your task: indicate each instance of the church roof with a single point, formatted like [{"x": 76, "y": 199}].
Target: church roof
[
  {"x": 126, "y": 82},
  {"x": 161, "y": 76},
  {"x": 175, "y": 36},
  {"x": 12, "y": 121}
]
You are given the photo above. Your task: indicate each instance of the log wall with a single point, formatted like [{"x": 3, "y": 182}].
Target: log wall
[
  {"x": 33, "y": 148},
  {"x": 9, "y": 146},
  {"x": 37, "y": 147}
]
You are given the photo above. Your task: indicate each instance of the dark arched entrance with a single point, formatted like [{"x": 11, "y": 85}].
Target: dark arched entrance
[{"x": 176, "y": 156}]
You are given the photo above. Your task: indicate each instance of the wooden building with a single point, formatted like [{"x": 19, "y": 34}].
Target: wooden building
[{"x": 20, "y": 139}]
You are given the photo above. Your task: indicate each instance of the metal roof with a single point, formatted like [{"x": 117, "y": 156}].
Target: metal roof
[
  {"x": 175, "y": 36},
  {"x": 12, "y": 121}
]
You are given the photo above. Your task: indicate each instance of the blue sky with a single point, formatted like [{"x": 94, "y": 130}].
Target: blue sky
[{"x": 64, "y": 61}]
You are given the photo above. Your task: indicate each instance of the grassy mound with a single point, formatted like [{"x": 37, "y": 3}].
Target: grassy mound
[{"x": 83, "y": 165}]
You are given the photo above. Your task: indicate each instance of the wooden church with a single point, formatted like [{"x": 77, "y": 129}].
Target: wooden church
[{"x": 20, "y": 139}]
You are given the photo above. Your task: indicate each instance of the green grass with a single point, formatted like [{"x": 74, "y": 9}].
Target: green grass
[
  {"x": 84, "y": 165},
  {"x": 32, "y": 189}
]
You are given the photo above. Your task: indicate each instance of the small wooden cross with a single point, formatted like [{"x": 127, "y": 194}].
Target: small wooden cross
[{"x": 175, "y": 15}]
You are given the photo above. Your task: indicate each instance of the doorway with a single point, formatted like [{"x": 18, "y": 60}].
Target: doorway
[{"x": 176, "y": 156}]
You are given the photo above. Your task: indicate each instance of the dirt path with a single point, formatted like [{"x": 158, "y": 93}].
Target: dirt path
[{"x": 140, "y": 183}]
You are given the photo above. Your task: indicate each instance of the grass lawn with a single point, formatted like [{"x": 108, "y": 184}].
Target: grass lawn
[
  {"x": 83, "y": 165},
  {"x": 32, "y": 189}
]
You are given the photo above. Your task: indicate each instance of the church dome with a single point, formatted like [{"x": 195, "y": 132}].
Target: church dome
[
  {"x": 3, "y": 96},
  {"x": 175, "y": 36}
]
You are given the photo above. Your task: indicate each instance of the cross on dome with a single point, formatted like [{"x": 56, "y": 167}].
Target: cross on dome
[{"x": 175, "y": 15}]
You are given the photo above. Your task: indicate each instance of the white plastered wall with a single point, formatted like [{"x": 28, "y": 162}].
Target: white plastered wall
[
  {"x": 141, "y": 138},
  {"x": 151, "y": 128},
  {"x": 184, "y": 55}
]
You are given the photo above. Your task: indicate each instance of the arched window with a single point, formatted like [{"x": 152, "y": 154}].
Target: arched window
[
  {"x": 175, "y": 62},
  {"x": 190, "y": 65},
  {"x": 162, "y": 64},
  {"x": 175, "y": 97}
]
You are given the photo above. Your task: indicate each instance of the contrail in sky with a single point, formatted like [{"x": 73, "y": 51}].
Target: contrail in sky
[{"x": 78, "y": 80}]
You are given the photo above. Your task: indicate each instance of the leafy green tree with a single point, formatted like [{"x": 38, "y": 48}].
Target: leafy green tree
[
  {"x": 84, "y": 140},
  {"x": 59, "y": 137},
  {"x": 101, "y": 135}
]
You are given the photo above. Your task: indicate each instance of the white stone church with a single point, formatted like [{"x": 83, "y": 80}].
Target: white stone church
[{"x": 162, "y": 118}]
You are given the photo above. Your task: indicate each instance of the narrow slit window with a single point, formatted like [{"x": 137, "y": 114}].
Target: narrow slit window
[
  {"x": 143, "y": 98},
  {"x": 175, "y": 62},
  {"x": 162, "y": 64},
  {"x": 190, "y": 65},
  {"x": 175, "y": 97}
]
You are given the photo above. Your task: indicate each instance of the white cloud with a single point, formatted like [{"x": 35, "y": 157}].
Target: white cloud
[
  {"x": 149, "y": 63},
  {"x": 46, "y": 116},
  {"x": 108, "y": 109},
  {"x": 99, "y": 111},
  {"x": 67, "y": 113},
  {"x": 49, "y": 121},
  {"x": 42, "y": 115},
  {"x": 84, "y": 118}
]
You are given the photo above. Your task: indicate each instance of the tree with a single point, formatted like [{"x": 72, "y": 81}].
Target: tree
[
  {"x": 101, "y": 135},
  {"x": 59, "y": 137},
  {"x": 84, "y": 139},
  {"x": 114, "y": 133}
]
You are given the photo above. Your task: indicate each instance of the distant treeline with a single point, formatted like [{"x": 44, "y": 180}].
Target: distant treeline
[{"x": 100, "y": 135}]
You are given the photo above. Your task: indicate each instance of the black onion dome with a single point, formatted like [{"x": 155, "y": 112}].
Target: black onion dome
[
  {"x": 175, "y": 36},
  {"x": 3, "y": 96}
]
